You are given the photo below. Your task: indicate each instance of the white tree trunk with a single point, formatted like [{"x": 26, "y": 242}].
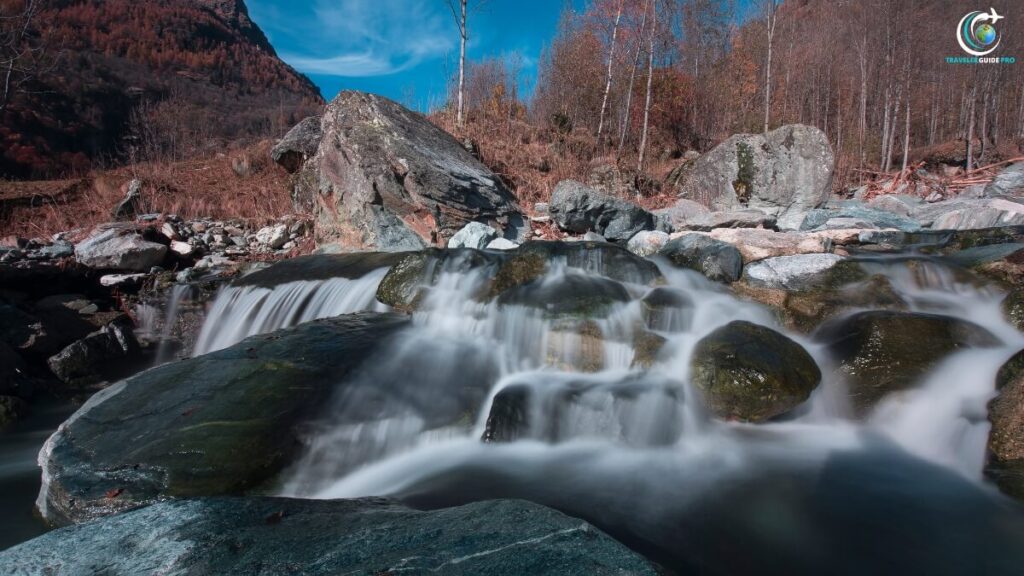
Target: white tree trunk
[
  {"x": 632, "y": 79},
  {"x": 768, "y": 64},
  {"x": 460, "y": 118},
  {"x": 650, "y": 79},
  {"x": 608, "y": 81}
]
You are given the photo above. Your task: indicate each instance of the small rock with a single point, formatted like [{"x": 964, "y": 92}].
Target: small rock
[
  {"x": 790, "y": 272},
  {"x": 111, "y": 280},
  {"x": 474, "y": 235},
  {"x": 59, "y": 249},
  {"x": 502, "y": 244},
  {"x": 183, "y": 249},
  {"x": 272, "y": 236},
  {"x": 647, "y": 243},
  {"x": 594, "y": 237},
  {"x": 111, "y": 250}
]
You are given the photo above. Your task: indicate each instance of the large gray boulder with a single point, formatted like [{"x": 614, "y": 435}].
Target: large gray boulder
[
  {"x": 385, "y": 178},
  {"x": 783, "y": 173},
  {"x": 577, "y": 208},
  {"x": 796, "y": 272},
  {"x": 1009, "y": 182},
  {"x": 218, "y": 424},
  {"x": 972, "y": 214},
  {"x": 865, "y": 218},
  {"x": 266, "y": 536},
  {"x": 298, "y": 145},
  {"x": 119, "y": 249}
]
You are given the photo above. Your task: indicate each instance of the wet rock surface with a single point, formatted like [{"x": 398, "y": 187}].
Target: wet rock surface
[
  {"x": 751, "y": 373},
  {"x": 371, "y": 536},
  {"x": 222, "y": 423},
  {"x": 1006, "y": 439},
  {"x": 882, "y": 352}
]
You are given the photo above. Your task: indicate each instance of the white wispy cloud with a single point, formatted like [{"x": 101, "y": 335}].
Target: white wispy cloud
[{"x": 360, "y": 38}]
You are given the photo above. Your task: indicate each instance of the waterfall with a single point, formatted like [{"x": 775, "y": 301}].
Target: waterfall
[
  {"x": 240, "y": 312},
  {"x": 580, "y": 390}
]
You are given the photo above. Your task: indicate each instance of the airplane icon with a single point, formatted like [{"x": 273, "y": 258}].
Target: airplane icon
[{"x": 993, "y": 17}]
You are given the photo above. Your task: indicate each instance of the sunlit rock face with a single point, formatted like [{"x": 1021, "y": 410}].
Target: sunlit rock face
[{"x": 385, "y": 178}]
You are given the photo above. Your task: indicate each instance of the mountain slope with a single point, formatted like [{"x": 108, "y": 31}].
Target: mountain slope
[{"x": 148, "y": 78}]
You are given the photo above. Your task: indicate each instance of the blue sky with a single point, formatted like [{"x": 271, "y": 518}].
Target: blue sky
[{"x": 401, "y": 48}]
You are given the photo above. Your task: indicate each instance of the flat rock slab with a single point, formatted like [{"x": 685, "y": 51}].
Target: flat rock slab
[
  {"x": 222, "y": 423},
  {"x": 755, "y": 244},
  {"x": 271, "y": 536}
]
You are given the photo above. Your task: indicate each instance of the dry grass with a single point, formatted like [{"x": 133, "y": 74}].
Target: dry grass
[{"x": 239, "y": 185}]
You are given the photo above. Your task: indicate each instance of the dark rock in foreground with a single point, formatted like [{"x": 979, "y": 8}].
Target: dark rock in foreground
[
  {"x": 222, "y": 423},
  {"x": 751, "y": 373},
  {"x": 271, "y": 536},
  {"x": 716, "y": 260}
]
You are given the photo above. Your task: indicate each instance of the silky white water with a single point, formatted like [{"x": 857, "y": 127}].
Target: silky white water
[
  {"x": 461, "y": 353},
  {"x": 240, "y": 312}
]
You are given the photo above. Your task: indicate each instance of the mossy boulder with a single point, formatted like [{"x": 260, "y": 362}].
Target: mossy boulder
[
  {"x": 846, "y": 286},
  {"x": 881, "y": 352},
  {"x": 667, "y": 310},
  {"x": 600, "y": 258},
  {"x": 1013, "y": 308},
  {"x": 576, "y": 344},
  {"x": 752, "y": 373},
  {"x": 403, "y": 287},
  {"x": 574, "y": 295},
  {"x": 647, "y": 347},
  {"x": 222, "y": 423},
  {"x": 1006, "y": 439}
]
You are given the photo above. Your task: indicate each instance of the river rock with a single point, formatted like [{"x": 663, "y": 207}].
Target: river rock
[
  {"x": 882, "y": 352},
  {"x": 971, "y": 214},
  {"x": 101, "y": 353},
  {"x": 578, "y": 208},
  {"x": 1006, "y": 438},
  {"x": 1009, "y": 182},
  {"x": 474, "y": 235},
  {"x": 298, "y": 145},
  {"x": 647, "y": 243},
  {"x": 573, "y": 295},
  {"x": 576, "y": 344},
  {"x": 319, "y": 267},
  {"x": 1013, "y": 308},
  {"x": 896, "y": 204},
  {"x": 756, "y": 245},
  {"x": 790, "y": 272},
  {"x": 784, "y": 173},
  {"x": 328, "y": 537},
  {"x": 752, "y": 373},
  {"x": 407, "y": 282},
  {"x": 819, "y": 218},
  {"x": 221, "y": 423},
  {"x": 676, "y": 216},
  {"x": 385, "y": 178},
  {"x": 716, "y": 260},
  {"x": 273, "y": 237},
  {"x": 749, "y": 218},
  {"x": 117, "y": 249},
  {"x": 502, "y": 244},
  {"x": 667, "y": 310},
  {"x": 12, "y": 409}
]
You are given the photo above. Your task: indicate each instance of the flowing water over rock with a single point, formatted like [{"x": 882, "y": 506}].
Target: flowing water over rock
[
  {"x": 521, "y": 397},
  {"x": 243, "y": 311}
]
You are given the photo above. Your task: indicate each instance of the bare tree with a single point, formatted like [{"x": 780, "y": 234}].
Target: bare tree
[
  {"x": 461, "y": 10},
  {"x": 23, "y": 51},
  {"x": 632, "y": 78},
  {"x": 650, "y": 80},
  {"x": 611, "y": 60},
  {"x": 771, "y": 12}
]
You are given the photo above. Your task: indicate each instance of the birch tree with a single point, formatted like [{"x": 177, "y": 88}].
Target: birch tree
[
  {"x": 771, "y": 11},
  {"x": 611, "y": 61},
  {"x": 23, "y": 53},
  {"x": 460, "y": 12},
  {"x": 650, "y": 80}
]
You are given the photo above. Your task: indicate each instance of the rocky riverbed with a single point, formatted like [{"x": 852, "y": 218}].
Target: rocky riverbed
[{"x": 763, "y": 378}]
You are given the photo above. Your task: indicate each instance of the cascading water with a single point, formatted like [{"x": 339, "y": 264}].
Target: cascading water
[
  {"x": 511, "y": 399},
  {"x": 240, "y": 312}
]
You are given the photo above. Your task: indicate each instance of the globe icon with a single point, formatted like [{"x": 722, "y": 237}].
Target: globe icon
[{"x": 985, "y": 34}]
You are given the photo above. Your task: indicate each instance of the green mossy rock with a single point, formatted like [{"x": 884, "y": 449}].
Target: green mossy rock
[
  {"x": 881, "y": 352},
  {"x": 751, "y": 373}
]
